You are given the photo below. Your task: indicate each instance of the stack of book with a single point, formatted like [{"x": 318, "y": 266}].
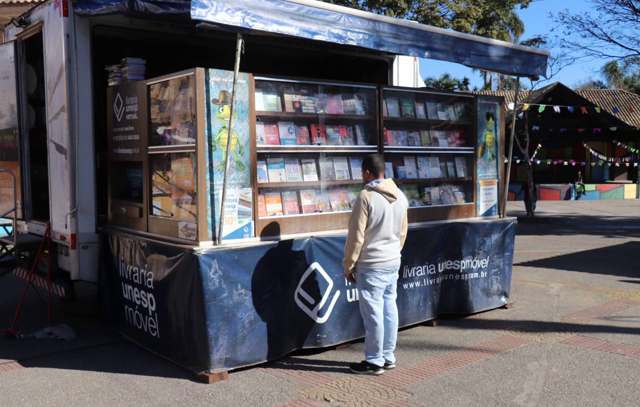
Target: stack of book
[
  {"x": 305, "y": 201},
  {"x": 290, "y": 133},
  {"x": 133, "y": 69},
  {"x": 424, "y": 138},
  {"x": 292, "y": 169}
]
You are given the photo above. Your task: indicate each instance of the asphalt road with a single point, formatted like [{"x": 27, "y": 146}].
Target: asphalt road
[{"x": 572, "y": 338}]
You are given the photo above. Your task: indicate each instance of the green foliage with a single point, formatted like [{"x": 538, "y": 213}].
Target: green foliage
[
  {"x": 447, "y": 82},
  {"x": 623, "y": 75},
  {"x": 489, "y": 18}
]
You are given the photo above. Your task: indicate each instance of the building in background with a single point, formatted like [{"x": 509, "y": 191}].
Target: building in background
[{"x": 13, "y": 8}]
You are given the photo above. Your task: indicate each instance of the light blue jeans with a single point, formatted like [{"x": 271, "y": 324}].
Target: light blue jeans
[{"x": 377, "y": 287}]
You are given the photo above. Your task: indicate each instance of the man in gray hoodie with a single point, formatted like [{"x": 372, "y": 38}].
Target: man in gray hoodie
[{"x": 377, "y": 231}]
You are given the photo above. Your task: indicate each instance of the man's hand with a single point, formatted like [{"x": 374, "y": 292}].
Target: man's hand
[{"x": 351, "y": 277}]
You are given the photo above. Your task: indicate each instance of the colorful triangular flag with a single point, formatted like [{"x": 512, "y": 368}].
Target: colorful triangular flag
[
  {"x": 597, "y": 108},
  {"x": 556, "y": 109},
  {"x": 570, "y": 109},
  {"x": 541, "y": 108},
  {"x": 525, "y": 107},
  {"x": 584, "y": 110}
]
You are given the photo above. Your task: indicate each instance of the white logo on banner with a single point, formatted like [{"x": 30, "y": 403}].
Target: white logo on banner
[
  {"x": 300, "y": 294},
  {"x": 118, "y": 107}
]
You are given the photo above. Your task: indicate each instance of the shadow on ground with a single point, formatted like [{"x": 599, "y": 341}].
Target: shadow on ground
[{"x": 575, "y": 224}]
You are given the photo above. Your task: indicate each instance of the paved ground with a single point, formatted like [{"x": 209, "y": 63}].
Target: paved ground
[{"x": 572, "y": 338}]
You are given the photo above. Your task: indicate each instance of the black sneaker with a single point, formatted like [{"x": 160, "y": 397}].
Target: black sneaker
[
  {"x": 389, "y": 365},
  {"x": 365, "y": 367}
]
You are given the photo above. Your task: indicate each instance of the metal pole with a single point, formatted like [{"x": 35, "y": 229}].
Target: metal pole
[
  {"x": 505, "y": 193},
  {"x": 236, "y": 70}
]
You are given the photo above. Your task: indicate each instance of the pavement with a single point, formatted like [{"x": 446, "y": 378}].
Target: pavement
[{"x": 571, "y": 338}]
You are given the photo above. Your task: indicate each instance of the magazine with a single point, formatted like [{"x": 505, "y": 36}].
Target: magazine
[
  {"x": 318, "y": 134},
  {"x": 293, "y": 170},
  {"x": 323, "y": 204},
  {"x": 290, "y": 203},
  {"x": 356, "y": 167},
  {"x": 393, "y": 106},
  {"x": 287, "y": 132},
  {"x": 271, "y": 134},
  {"x": 263, "y": 177},
  {"x": 420, "y": 110},
  {"x": 327, "y": 172},
  {"x": 276, "y": 170},
  {"x": 262, "y": 207},
  {"x": 339, "y": 198},
  {"x": 413, "y": 138},
  {"x": 461, "y": 167},
  {"x": 308, "y": 200},
  {"x": 260, "y": 137},
  {"x": 410, "y": 167},
  {"x": 407, "y": 108},
  {"x": 341, "y": 168},
  {"x": 334, "y": 104},
  {"x": 309, "y": 170},
  {"x": 302, "y": 135},
  {"x": 273, "y": 202},
  {"x": 423, "y": 167}
]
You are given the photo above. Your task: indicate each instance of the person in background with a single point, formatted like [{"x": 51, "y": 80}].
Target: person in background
[{"x": 377, "y": 232}]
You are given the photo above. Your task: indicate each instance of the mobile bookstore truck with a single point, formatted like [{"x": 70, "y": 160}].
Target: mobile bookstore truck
[{"x": 210, "y": 204}]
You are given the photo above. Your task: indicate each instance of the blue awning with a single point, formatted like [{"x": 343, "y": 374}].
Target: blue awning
[{"x": 326, "y": 22}]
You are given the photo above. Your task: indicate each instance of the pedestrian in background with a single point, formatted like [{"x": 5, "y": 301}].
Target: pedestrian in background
[{"x": 377, "y": 232}]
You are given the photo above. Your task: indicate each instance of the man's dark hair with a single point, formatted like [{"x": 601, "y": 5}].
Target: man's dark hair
[{"x": 374, "y": 163}]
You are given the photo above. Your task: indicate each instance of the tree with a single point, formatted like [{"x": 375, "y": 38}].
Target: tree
[
  {"x": 623, "y": 75},
  {"x": 612, "y": 31},
  {"x": 591, "y": 84},
  {"x": 447, "y": 82}
]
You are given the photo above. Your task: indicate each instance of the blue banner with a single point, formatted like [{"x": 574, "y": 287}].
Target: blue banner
[{"x": 226, "y": 308}]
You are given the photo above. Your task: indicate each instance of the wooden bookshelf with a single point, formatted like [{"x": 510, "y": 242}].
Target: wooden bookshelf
[{"x": 441, "y": 212}]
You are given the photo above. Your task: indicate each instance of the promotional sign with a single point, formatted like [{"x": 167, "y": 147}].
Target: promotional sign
[
  {"x": 238, "y": 206},
  {"x": 488, "y": 197},
  {"x": 264, "y": 301},
  {"x": 488, "y": 153}
]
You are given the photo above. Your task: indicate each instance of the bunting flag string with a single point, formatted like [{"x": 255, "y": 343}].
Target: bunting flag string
[
  {"x": 603, "y": 157},
  {"x": 574, "y": 163},
  {"x": 541, "y": 108},
  {"x": 627, "y": 147},
  {"x": 535, "y": 153},
  {"x": 564, "y": 130}
]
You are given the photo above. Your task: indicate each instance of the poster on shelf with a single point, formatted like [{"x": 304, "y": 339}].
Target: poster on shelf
[
  {"x": 488, "y": 198},
  {"x": 489, "y": 117},
  {"x": 238, "y": 213}
]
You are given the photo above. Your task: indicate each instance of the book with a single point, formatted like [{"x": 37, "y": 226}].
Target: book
[
  {"x": 308, "y": 100},
  {"x": 353, "y": 193},
  {"x": 318, "y": 134},
  {"x": 412, "y": 195},
  {"x": 400, "y": 138},
  {"x": 350, "y": 137},
  {"x": 262, "y": 207},
  {"x": 273, "y": 203},
  {"x": 335, "y": 104},
  {"x": 433, "y": 168},
  {"x": 293, "y": 171},
  {"x": 335, "y": 135},
  {"x": 268, "y": 100},
  {"x": 276, "y": 170},
  {"x": 410, "y": 167},
  {"x": 421, "y": 113},
  {"x": 259, "y": 100},
  {"x": 413, "y": 138},
  {"x": 302, "y": 135},
  {"x": 446, "y": 195},
  {"x": 341, "y": 168},
  {"x": 292, "y": 102},
  {"x": 321, "y": 102},
  {"x": 425, "y": 138},
  {"x": 423, "y": 167},
  {"x": 323, "y": 204},
  {"x": 287, "y": 132},
  {"x": 443, "y": 169},
  {"x": 426, "y": 196},
  {"x": 309, "y": 170},
  {"x": 260, "y": 137},
  {"x": 461, "y": 167},
  {"x": 401, "y": 172},
  {"x": 271, "y": 134},
  {"x": 451, "y": 112},
  {"x": 388, "y": 137},
  {"x": 432, "y": 110},
  {"x": 262, "y": 172},
  {"x": 349, "y": 103},
  {"x": 339, "y": 199},
  {"x": 393, "y": 106},
  {"x": 361, "y": 137},
  {"x": 356, "y": 167},
  {"x": 435, "y": 196},
  {"x": 308, "y": 201},
  {"x": 443, "y": 111},
  {"x": 290, "y": 203},
  {"x": 388, "y": 170},
  {"x": 327, "y": 172},
  {"x": 407, "y": 108},
  {"x": 360, "y": 102},
  {"x": 451, "y": 169}
]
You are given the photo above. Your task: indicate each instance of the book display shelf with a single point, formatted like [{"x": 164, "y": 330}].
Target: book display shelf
[
  {"x": 428, "y": 149},
  {"x": 310, "y": 141}
]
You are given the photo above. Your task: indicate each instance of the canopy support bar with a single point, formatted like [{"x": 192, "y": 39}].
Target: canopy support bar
[
  {"x": 505, "y": 192},
  {"x": 236, "y": 73}
]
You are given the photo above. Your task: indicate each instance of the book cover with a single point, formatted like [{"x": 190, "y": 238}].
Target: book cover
[
  {"x": 393, "y": 106},
  {"x": 443, "y": 169},
  {"x": 412, "y": 195},
  {"x": 388, "y": 170},
  {"x": 321, "y": 102},
  {"x": 426, "y": 196},
  {"x": 421, "y": 113},
  {"x": 309, "y": 170},
  {"x": 276, "y": 170},
  {"x": 451, "y": 112},
  {"x": 401, "y": 172},
  {"x": 459, "y": 196},
  {"x": 323, "y": 204},
  {"x": 293, "y": 170},
  {"x": 349, "y": 103},
  {"x": 350, "y": 136},
  {"x": 318, "y": 134},
  {"x": 341, "y": 168},
  {"x": 273, "y": 202},
  {"x": 292, "y": 103},
  {"x": 446, "y": 195},
  {"x": 308, "y": 201},
  {"x": 443, "y": 111},
  {"x": 287, "y": 132},
  {"x": 262, "y": 172},
  {"x": 271, "y": 134},
  {"x": 410, "y": 167},
  {"x": 360, "y": 104},
  {"x": 435, "y": 196},
  {"x": 290, "y": 203},
  {"x": 451, "y": 169},
  {"x": 423, "y": 167},
  {"x": 413, "y": 138},
  {"x": 461, "y": 167},
  {"x": 432, "y": 110},
  {"x": 388, "y": 137},
  {"x": 353, "y": 193},
  {"x": 271, "y": 101},
  {"x": 260, "y": 137},
  {"x": 259, "y": 102},
  {"x": 339, "y": 198},
  {"x": 327, "y": 172},
  {"x": 361, "y": 136},
  {"x": 425, "y": 138},
  {"x": 400, "y": 138},
  {"x": 262, "y": 206},
  {"x": 335, "y": 135},
  {"x": 302, "y": 135},
  {"x": 308, "y": 100},
  {"x": 407, "y": 108},
  {"x": 433, "y": 168},
  {"x": 335, "y": 104},
  {"x": 356, "y": 167}
]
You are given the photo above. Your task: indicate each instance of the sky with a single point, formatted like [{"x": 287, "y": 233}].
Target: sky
[{"x": 537, "y": 21}]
